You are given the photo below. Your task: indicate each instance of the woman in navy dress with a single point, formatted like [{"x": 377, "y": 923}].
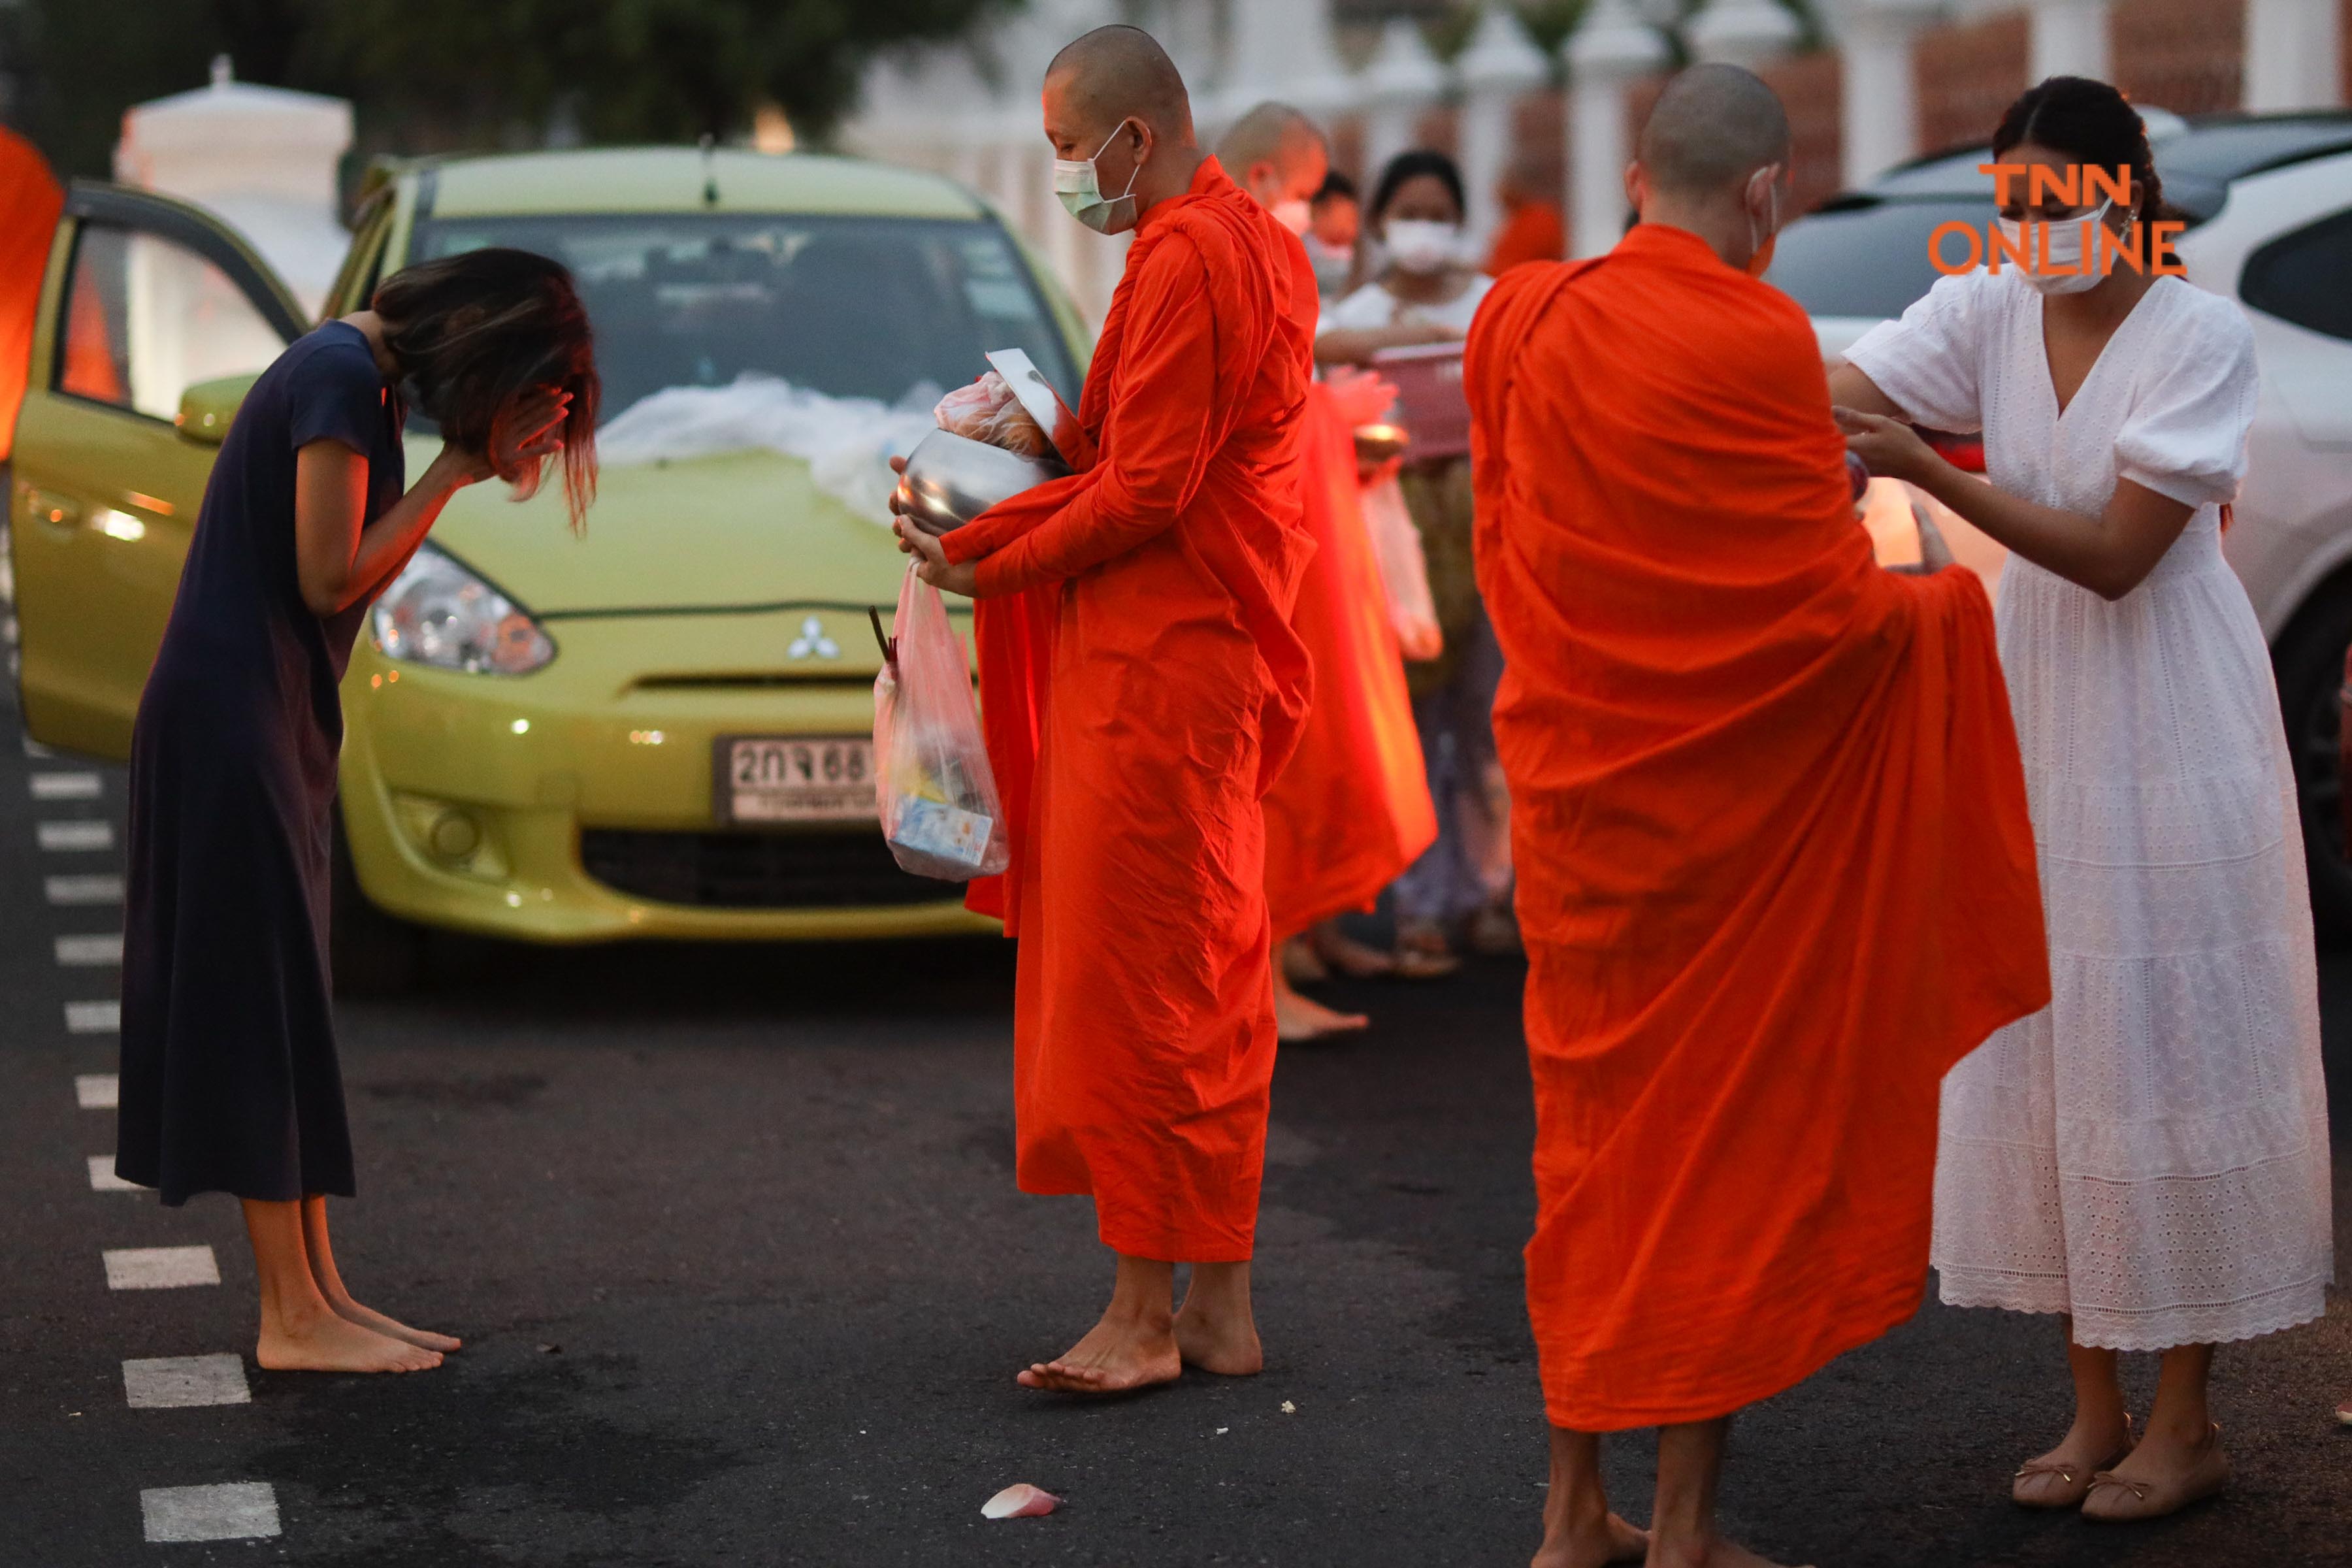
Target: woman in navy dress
[{"x": 229, "y": 1078}]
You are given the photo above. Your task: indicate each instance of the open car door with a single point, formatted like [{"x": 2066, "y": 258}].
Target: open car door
[{"x": 144, "y": 300}]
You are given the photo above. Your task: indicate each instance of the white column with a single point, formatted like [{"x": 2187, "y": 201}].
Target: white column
[
  {"x": 1879, "y": 112},
  {"x": 1497, "y": 68},
  {"x": 1610, "y": 47},
  {"x": 1741, "y": 32},
  {"x": 2294, "y": 54},
  {"x": 1402, "y": 79},
  {"x": 2069, "y": 38},
  {"x": 1280, "y": 49}
]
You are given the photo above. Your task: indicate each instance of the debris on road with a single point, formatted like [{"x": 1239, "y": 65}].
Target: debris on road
[
  {"x": 1289, "y": 1408},
  {"x": 1020, "y": 1501}
]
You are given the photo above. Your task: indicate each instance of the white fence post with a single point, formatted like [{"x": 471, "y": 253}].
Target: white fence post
[
  {"x": 2295, "y": 50},
  {"x": 2069, "y": 38},
  {"x": 1609, "y": 49},
  {"x": 1402, "y": 79},
  {"x": 1879, "y": 106},
  {"x": 1741, "y": 32},
  {"x": 1497, "y": 68},
  {"x": 1280, "y": 49}
]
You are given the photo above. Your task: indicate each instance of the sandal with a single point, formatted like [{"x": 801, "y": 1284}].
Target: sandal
[
  {"x": 2074, "y": 1481},
  {"x": 2113, "y": 1500}
]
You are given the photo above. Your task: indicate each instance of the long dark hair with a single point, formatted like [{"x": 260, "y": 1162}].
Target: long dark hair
[
  {"x": 481, "y": 331},
  {"x": 2091, "y": 123},
  {"x": 1410, "y": 166}
]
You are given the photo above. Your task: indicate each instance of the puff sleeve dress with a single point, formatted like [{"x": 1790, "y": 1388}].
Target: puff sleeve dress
[
  {"x": 230, "y": 1078},
  {"x": 2151, "y": 1153}
]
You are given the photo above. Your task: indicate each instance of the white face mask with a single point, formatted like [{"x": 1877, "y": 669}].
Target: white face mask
[
  {"x": 1293, "y": 214},
  {"x": 1419, "y": 245},
  {"x": 1074, "y": 183},
  {"x": 2068, "y": 247}
]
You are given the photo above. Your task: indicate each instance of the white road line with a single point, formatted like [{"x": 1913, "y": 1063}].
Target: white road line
[
  {"x": 160, "y": 1267},
  {"x": 66, "y": 786},
  {"x": 93, "y": 1017},
  {"x": 96, "y": 951},
  {"x": 235, "y": 1510},
  {"x": 102, "y": 1178},
  {"x": 176, "y": 1382},
  {"x": 97, "y": 1090},
  {"x": 83, "y": 890},
  {"x": 75, "y": 838}
]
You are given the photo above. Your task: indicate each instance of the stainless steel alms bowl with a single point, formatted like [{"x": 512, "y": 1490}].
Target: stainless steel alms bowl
[{"x": 950, "y": 479}]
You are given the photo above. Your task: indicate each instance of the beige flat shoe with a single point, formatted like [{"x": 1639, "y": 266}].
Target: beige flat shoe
[
  {"x": 2031, "y": 1488},
  {"x": 2115, "y": 1500},
  {"x": 2344, "y": 1413}
]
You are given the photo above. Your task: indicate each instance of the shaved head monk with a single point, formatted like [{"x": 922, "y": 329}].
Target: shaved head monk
[
  {"x": 1352, "y": 810},
  {"x": 1775, "y": 870},
  {"x": 1141, "y": 689}
]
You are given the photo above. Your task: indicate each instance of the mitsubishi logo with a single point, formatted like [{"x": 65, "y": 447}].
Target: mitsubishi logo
[{"x": 812, "y": 642}]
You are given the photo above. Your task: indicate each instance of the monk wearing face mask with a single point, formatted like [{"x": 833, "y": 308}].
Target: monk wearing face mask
[
  {"x": 1142, "y": 689},
  {"x": 1776, "y": 874}
]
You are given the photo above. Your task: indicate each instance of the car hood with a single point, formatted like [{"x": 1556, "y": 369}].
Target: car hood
[{"x": 732, "y": 532}]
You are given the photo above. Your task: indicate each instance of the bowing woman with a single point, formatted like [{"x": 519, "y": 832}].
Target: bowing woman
[
  {"x": 2146, "y": 1157},
  {"x": 229, "y": 1078}
]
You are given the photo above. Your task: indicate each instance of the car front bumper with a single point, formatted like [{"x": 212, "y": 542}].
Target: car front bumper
[{"x": 575, "y": 804}]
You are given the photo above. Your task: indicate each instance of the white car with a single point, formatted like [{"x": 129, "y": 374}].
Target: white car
[{"x": 2269, "y": 199}]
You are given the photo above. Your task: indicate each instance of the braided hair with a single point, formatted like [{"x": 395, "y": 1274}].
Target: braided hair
[{"x": 2090, "y": 122}]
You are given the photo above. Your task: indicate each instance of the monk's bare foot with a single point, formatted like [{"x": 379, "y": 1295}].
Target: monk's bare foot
[
  {"x": 351, "y": 1312},
  {"x": 1715, "y": 1553},
  {"x": 1219, "y": 1341},
  {"x": 1298, "y": 1018},
  {"x": 1301, "y": 964},
  {"x": 1120, "y": 1354},
  {"x": 1614, "y": 1541},
  {"x": 319, "y": 1341},
  {"x": 1351, "y": 957}
]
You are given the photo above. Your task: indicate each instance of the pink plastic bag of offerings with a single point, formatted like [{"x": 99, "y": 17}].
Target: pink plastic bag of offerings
[{"x": 940, "y": 810}]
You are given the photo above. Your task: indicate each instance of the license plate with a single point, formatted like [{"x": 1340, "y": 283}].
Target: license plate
[{"x": 814, "y": 778}]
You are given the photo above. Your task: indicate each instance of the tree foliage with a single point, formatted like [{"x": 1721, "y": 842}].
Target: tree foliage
[{"x": 436, "y": 75}]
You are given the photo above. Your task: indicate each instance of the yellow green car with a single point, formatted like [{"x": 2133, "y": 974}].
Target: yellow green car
[{"x": 660, "y": 730}]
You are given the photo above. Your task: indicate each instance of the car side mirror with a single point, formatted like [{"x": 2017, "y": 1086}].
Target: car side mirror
[{"x": 207, "y": 407}]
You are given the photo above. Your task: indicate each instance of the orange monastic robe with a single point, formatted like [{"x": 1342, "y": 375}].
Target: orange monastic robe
[
  {"x": 1775, "y": 874},
  {"x": 1352, "y": 810},
  {"x": 1135, "y": 629},
  {"x": 30, "y": 200},
  {"x": 1533, "y": 233}
]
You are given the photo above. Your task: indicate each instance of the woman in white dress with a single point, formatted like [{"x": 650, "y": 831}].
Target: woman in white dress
[{"x": 2147, "y": 1156}]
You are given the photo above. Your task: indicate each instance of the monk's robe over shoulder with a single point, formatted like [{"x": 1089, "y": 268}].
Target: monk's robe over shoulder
[
  {"x": 1141, "y": 687},
  {"x": 1352, "y": 810},
  {"x": 1775, "y": 873}
]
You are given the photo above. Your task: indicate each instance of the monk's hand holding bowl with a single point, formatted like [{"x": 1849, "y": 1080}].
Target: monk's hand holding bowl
[
  {"x": 931, "y": 564},
  {"x": 1888, "y": 446}
]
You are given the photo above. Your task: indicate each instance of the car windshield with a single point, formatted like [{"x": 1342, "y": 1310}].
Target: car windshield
[
  {"x": 1870, "y": 258},
  {"x": 851, "y": 307}
]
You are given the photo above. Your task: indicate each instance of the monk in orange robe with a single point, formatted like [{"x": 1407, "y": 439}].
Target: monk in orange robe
[
  {"x": 1775, "y": 870},
  {"x": 1352, "y": 810},
  {"x": 1532, "y": 230},
  {"x": 30, "y": 200},
  {"x": 1143, "y": 689}
]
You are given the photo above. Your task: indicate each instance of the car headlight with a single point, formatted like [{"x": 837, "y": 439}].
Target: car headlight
[{"x": 437, "y": 613}]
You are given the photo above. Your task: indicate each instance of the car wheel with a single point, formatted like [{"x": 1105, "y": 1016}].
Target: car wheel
[
  {"x": 2308, "y": 660},
  {"x": 372, "y": 954}
]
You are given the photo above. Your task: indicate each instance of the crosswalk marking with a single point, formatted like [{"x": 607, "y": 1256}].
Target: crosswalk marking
[
  {"x": 83, "y": 890},
  {"x": 66, "y": 786},
  {"x": 160, "y": 1267},
  {"x": 234, "y": 1510},
  {"x": 94, "y": 952},
  {"x": 102, "y": 1178},
  {"x": 177, "y": 1382},
  {"x": 93, "y": 1017},
  {"x": 97, "y": 1090},
  {"x": 74, "y": 838}
]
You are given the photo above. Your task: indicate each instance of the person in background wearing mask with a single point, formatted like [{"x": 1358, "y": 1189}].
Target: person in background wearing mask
[
  {"x": 1427, "y": 290},
  {"x": 2147, "y": 1157},
  {"x": 1532, "y": 229},
  {"x": 1142, "y": 689},
  {"x": 1334, "y": 224},
  {"x": 1352, "y": 810}
]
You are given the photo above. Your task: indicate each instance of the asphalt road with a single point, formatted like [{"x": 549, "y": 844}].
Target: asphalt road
[{"x": 732, "y": 1236}]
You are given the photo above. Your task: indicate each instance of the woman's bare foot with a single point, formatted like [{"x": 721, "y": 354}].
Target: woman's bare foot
[
  {"x": 351, "y": 1312},
  {"x": 1295, "y": 1018},
  {"x": 2060, "y": 1478},
  {"x": 317, "y": 1339},
  {"x": 1614, "y": 1541},
  {"x": 1123, "y": 1352}
]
